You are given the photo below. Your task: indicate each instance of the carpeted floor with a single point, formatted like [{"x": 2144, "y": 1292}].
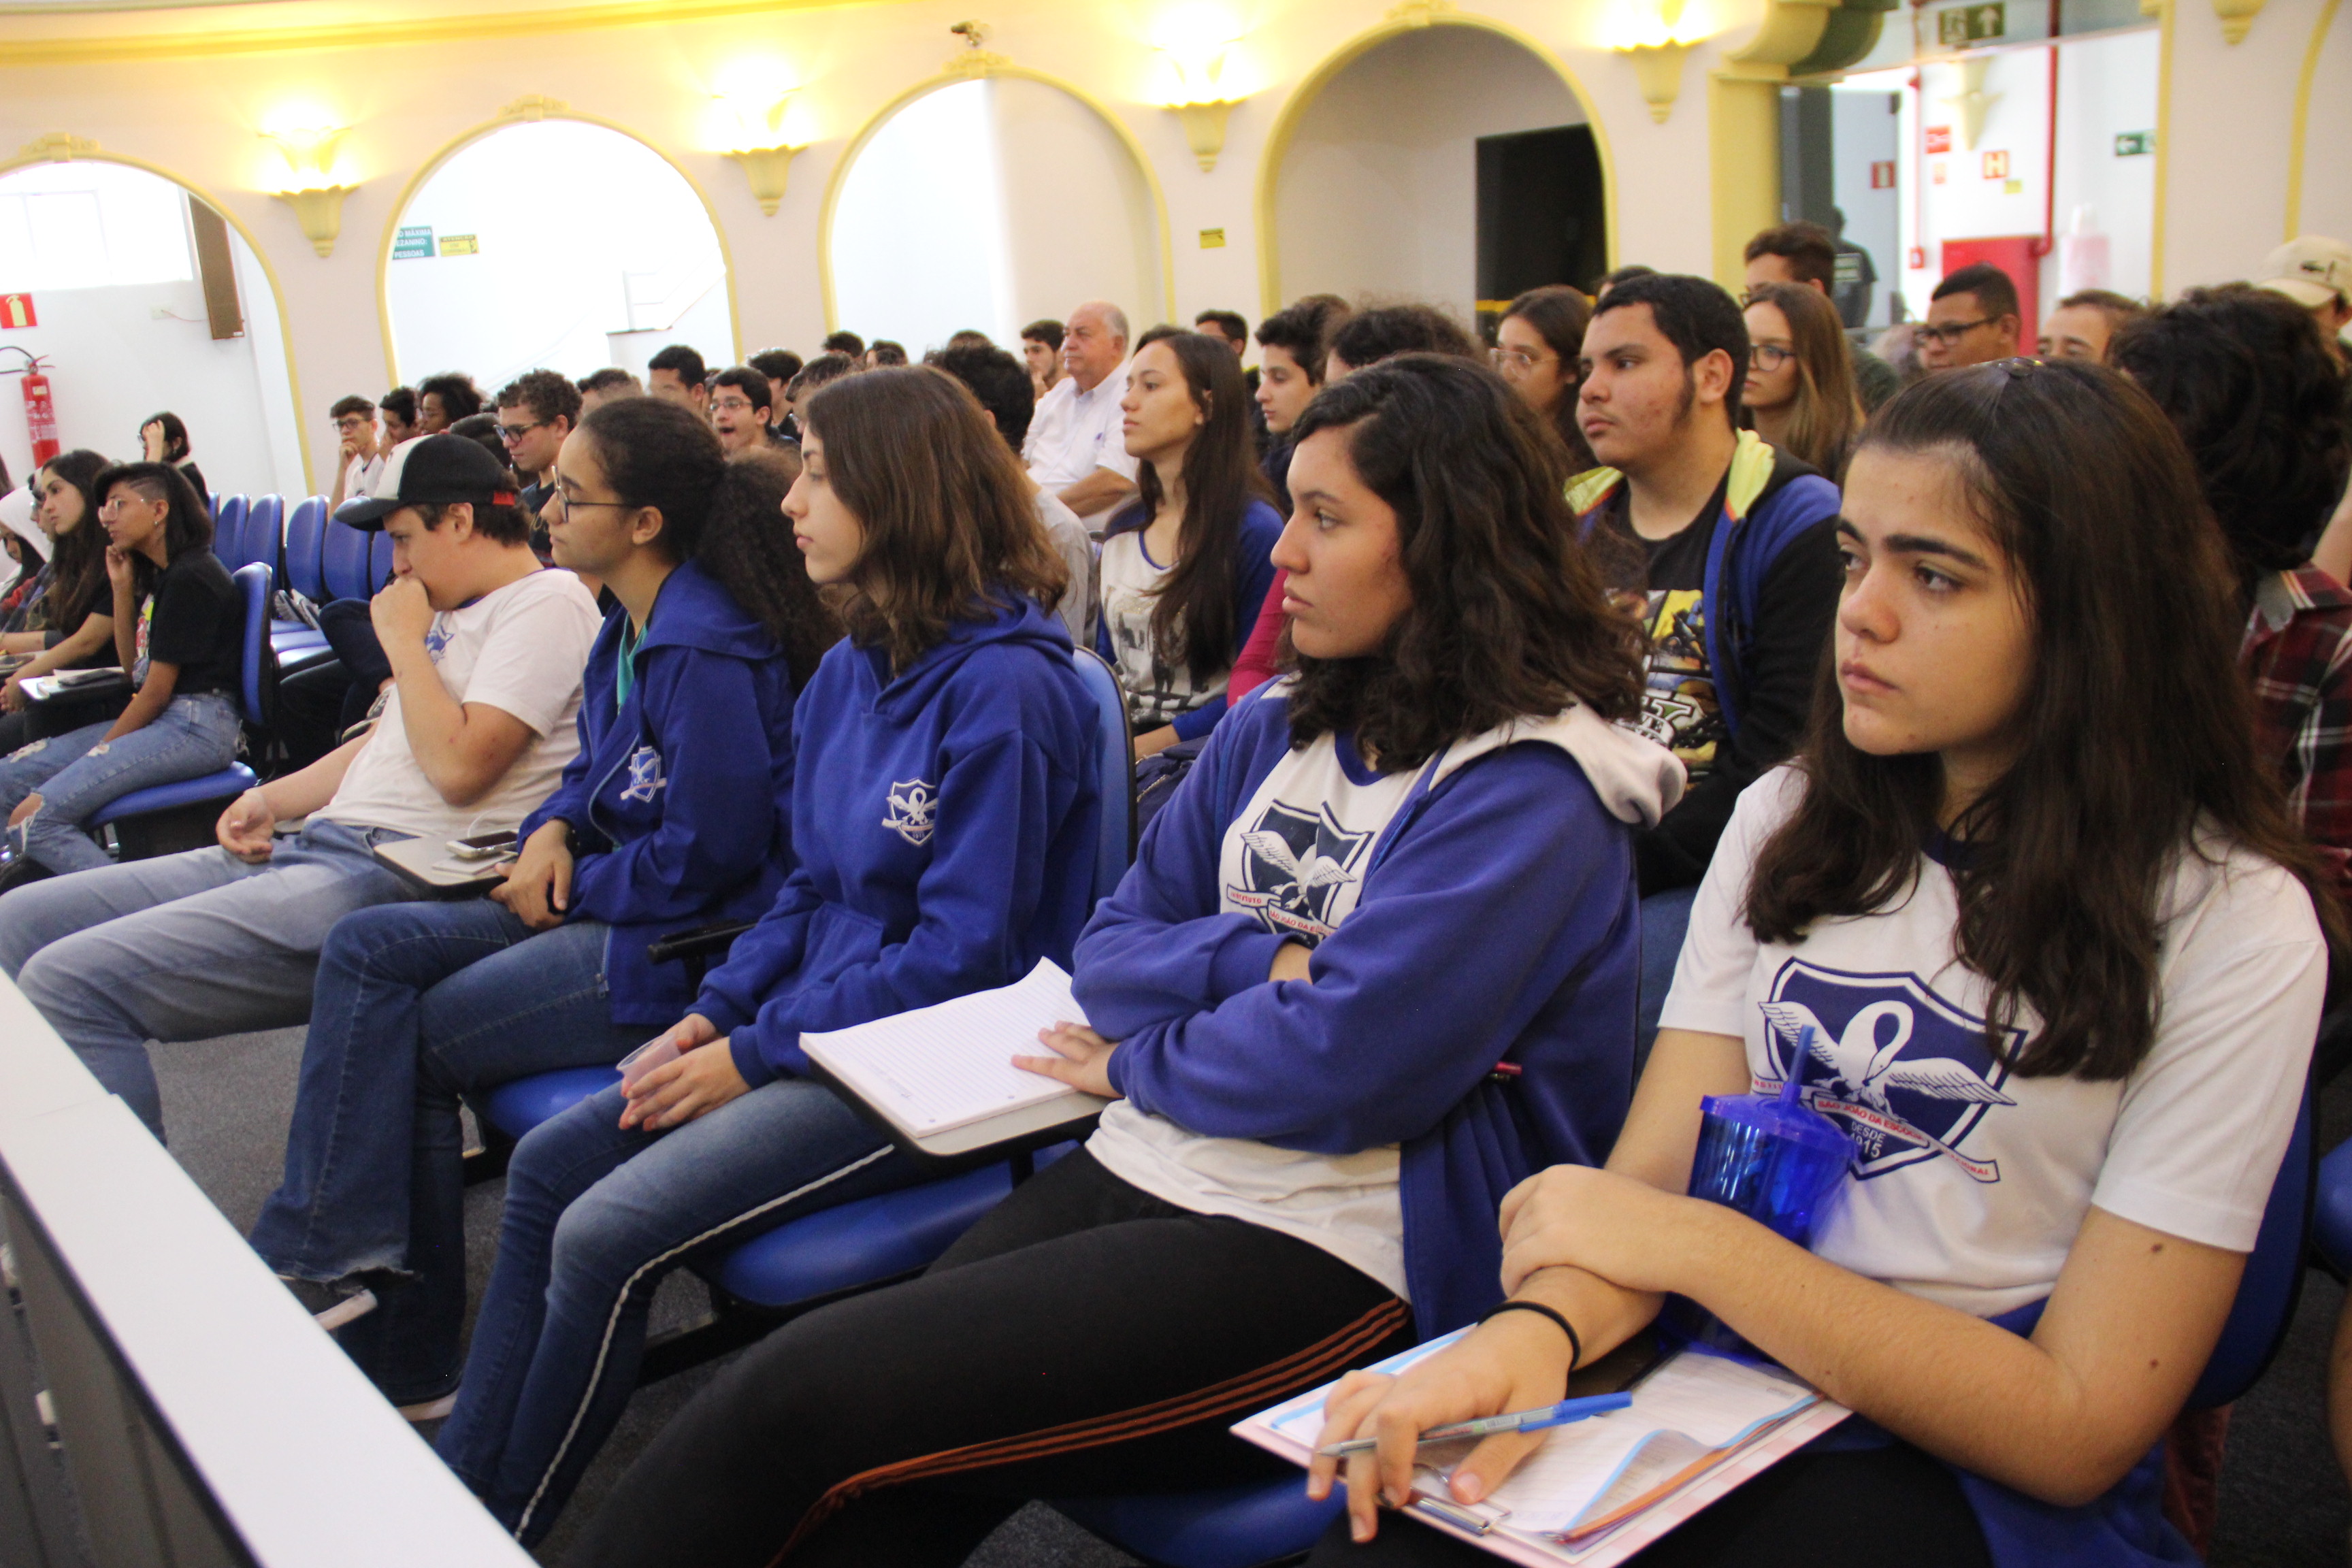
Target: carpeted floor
[{"x": 2285, "y": 1503}]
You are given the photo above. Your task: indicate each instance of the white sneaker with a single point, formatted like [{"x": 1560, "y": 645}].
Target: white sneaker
[
  {"x": 433, "y": 1410},
  {"x": 332, "y": 1303}
]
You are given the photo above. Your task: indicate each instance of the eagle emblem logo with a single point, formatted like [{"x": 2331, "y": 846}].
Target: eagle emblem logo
[
  {"x": 1907, "y": 1075},
  {"x": 913, "y": 807},
  {"x": 1294, "y": 866}
]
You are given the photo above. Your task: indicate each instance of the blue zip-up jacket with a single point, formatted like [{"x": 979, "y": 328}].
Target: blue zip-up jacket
[
  {"x": 1498, "y": 923},
  {"x": 680, "y": 797},
  {"x": 1261, "y": 526},
  {"x": 946, "y": 824}
]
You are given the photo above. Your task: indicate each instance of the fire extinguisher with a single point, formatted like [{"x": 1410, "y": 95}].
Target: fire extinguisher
[
  {"x": 40, "y": 410},
  {"x": 41, "y": 417}
]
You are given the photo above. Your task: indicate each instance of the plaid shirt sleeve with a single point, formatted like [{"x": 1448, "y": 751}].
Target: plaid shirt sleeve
[{"x": 2302, "y": 677}]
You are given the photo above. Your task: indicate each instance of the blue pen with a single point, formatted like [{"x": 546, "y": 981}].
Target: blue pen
[{"x": 1535, "y": 1420}]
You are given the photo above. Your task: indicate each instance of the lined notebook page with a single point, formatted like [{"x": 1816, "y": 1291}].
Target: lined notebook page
[{"x": 950, "y": 1064}]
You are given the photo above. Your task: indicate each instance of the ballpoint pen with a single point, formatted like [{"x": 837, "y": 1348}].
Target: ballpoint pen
[{"x": 1543, "y": 1416}]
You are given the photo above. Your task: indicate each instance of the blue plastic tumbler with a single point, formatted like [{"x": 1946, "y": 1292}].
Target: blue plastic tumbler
[{"x": 1773, "y": 1159}]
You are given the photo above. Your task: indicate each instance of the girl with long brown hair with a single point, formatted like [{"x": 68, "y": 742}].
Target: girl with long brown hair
[
  {"x": 1535, "y": 347},
  {"x": 1185, "y": 570},
  {"x": 2028, "y": 920},
  {"x": 943, "y": 818},
  {"x": 1801, "y": 388}
]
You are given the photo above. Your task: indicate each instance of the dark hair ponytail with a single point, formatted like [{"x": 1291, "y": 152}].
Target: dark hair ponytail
[{"x": 2135, "y": 737}]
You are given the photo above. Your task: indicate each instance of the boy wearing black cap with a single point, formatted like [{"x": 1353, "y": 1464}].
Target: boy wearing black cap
[{"x": 486, "y": 651}]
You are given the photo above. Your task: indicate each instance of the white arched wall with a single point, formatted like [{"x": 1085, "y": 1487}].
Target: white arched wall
[
  {"x": 122, "y": 325},
  {"x": 614, "y": 257},
  {"x": 2324, "y": 107},
  {"x": 986, "y": 203}
]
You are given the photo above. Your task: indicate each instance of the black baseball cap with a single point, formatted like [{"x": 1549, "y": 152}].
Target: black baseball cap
[{"x": 432, "y": 470}]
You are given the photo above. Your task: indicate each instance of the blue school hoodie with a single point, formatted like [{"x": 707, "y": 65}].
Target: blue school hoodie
[
  {"x": 680, "y": 797},
  {"x": 1497, "y": 922},
  {"x": 945, "y": 822}
]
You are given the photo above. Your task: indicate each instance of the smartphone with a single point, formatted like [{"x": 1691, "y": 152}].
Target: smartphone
[{"x": 482, "y": 846}]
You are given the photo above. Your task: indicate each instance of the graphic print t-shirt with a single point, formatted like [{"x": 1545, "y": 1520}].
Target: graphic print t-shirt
[
  {"x": 1667, "y": 593},
  {"x": 1294, "y": 862},
  {"x": 1969, "y": 1183},
  {"x": 1157, "y": 692}
]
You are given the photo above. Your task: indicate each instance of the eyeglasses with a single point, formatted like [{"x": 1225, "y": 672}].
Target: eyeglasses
[
  {"x": 113, "y": 505},
  {"x": 1771, "y": 356},
  {"x": 734, "y": 404},
  {"x": 573, "y": 503},
  {"x": 1951, "y": 333},
  {"x": 1517, "y": 359},
  {"x": 511, "y": 434}
]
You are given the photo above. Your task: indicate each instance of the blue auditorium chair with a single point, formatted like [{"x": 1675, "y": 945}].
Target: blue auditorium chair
[
  {"x": 298, "y": 644},
  {"x": 2331, "y": 1224},
  {"x": 228, "y": 530},
  {"x": 871, "y": 1241},
  {"x": 343, "y": 563},
  {"x": 265, "y": 535},
  {"x": 166, "y": 818}
]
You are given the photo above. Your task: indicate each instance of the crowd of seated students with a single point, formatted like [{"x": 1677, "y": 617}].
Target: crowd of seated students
[{"x": 1533, "y": 733}]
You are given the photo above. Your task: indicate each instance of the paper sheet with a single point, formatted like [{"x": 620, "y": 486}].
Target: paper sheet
[
  {"x": 950, "y": 1065},
  {"x": 1694, "y": 1403}
]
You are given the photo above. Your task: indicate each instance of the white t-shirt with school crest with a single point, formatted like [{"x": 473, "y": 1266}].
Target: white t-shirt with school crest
[
  {"x": 522, "y": 650},
  {"x": 1969, "y": 1183}
]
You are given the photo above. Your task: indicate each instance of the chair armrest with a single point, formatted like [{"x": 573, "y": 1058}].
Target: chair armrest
[{"x": 704, "y": 942}]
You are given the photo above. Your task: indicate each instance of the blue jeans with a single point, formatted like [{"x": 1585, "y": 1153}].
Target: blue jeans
[
  {"x": 416, "y": 1005},
  {"x": 78, "y": 773},
  {"x": 1665, "y": 921},
  {"x": 185, "y": 947},
  {"x": 595, "y": 1217}
]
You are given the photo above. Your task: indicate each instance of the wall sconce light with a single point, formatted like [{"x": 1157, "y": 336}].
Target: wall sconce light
[
  {"x": 765, "y": 156},
  {"x": 1201, "y": 101},
  {"x": 1656, "y": 44},
  {"x": 312, "y": 191}
]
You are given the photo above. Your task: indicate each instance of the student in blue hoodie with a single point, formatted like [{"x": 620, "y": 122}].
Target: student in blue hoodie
[
  {"x": 945, "y": 811},
  {"x": 674, "y": 813},
  {"x": 1376, "y": 962},
  {"x": 1185, "y": 569}
]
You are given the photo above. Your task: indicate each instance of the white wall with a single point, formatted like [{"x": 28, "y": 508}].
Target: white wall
[
  {"x": 2105, "y": 86},
  {"x": 1866, "y": 129},
  {"x": 582, "y": 232},
  {"x": 988, "y": 205},
  {"x": 120, "y": 352},
  {"x": 2327, "y": 140},
  {"x": 1378, "y": 193}
]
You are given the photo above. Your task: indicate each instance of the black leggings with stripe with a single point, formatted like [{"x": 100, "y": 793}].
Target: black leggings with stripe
[{"x": 1084, "y": 1338}]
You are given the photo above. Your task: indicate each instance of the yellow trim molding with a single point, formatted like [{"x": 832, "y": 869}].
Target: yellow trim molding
[
  {"x": 2300, "y": 136},
  {"x": 2165, "y": 10},
  {"x": 58, "y": 147},
  {"x": 1408, "y": 17},
  {"x": 1743, "y": 128},
  {"x": 529, "y": 108},
  {"x": 970, "y": 65},
  {"x": 458, "y": 28}
]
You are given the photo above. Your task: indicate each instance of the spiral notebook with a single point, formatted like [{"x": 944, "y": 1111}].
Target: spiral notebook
[{"x": 1600, "y": 1491}]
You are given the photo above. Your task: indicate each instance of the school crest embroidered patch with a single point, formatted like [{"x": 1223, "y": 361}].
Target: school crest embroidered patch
[
  {"x": 913, "y": 807},
  {"x": 1902, "y": 1070},
  {"x": 645, "y": 777}
]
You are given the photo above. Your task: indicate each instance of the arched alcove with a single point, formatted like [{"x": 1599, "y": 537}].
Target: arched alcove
[
  {"x": 108, "y": 248},
  {"x": 987, "y": 203},
  {"x": 1372, "y": 176},
  {"x": 562, "y": 242},
  {"x": 2322, "y": 121}
]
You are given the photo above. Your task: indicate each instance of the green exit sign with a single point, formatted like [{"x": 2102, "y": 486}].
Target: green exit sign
[
  {"x": 1964, "y": 24},
  {"x": 2135, "y": 143}
]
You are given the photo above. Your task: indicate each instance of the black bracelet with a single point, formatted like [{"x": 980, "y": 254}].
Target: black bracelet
[{"x": 1575, "y": 1345}]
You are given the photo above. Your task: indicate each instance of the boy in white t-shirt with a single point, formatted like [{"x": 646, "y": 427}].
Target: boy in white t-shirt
[
  {"x": 486, "y": 651},
  {"x": 2032, "y": 925}
]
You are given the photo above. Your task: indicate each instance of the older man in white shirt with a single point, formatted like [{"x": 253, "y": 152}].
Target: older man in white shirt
[{"x": 1077, "y": 447}]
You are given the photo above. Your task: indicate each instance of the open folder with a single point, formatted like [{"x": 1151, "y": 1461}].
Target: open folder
[
  {"x": 942, "y": 1077},
  {"x": 1598, "y": 1490}
]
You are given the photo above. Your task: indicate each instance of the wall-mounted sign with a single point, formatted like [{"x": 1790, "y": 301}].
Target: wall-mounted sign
[
  {"x": 1882, "y": 174},
  {"x": 1213, "y": 240},
  {"x": 16, "y": 311},
  {"x": 412, "y": 244},
  {"x": 2012, "y": 187},
  {"x": 2135, "y": 143},
  {"x": 1996, "y": 167},
  {"x": 1916, "y": 258},
  {"x": 460, "y": 245},
  {"x": 1964, "y": 25},
  {"x": 1939, "y": 138},
  {"x": 1935, "y": 172}
]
